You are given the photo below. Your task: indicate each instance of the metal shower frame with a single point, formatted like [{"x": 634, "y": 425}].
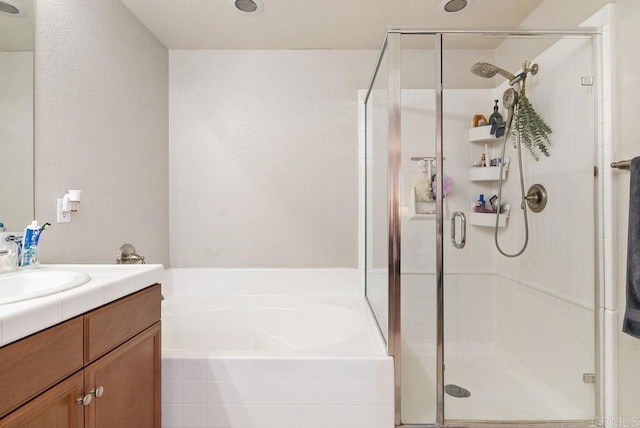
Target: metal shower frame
[{"x": 391, "y": 46}]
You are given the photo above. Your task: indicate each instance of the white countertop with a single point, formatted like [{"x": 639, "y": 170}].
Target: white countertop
[{"x": 108, "y": 283}]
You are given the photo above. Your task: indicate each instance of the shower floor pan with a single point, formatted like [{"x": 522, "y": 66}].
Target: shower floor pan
[{"x": 500, "y": 391}]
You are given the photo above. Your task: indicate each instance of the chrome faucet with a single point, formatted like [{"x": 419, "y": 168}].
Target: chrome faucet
[{"x": 18, "y": 241}]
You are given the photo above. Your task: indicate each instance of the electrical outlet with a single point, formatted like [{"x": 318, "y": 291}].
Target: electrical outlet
[{"x": 63, "y": 216}]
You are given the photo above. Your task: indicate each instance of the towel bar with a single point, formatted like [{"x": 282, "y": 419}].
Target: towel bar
[{"x": 624, "y": 164}]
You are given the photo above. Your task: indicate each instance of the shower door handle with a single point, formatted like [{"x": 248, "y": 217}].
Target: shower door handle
[{"x": 463, "y": 223}]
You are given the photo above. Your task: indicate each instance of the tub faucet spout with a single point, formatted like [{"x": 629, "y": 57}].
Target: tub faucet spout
[{"x": 128, "y": 255}]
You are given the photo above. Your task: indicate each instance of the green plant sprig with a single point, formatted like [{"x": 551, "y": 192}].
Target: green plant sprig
[{"x": 529, "y": 126}]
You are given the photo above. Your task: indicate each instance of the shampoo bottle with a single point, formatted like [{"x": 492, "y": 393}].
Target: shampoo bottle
[{"x": 30, "y": 245}]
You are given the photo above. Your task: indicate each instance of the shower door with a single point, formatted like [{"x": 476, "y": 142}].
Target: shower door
[
  {"x": 519, "y": 330},
  {"x": 478, "y": 336}
]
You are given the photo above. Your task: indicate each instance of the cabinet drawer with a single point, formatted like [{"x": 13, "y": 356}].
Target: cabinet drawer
[
  {"x": 33, "y": 364},
  {"x": 113, "y": 324}
]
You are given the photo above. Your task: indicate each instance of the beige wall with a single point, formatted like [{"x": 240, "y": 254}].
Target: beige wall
[
  {"x": 628, "y": 146},
  {"x": 101, "y": 126},
  {"x": 264, "y": 152}
]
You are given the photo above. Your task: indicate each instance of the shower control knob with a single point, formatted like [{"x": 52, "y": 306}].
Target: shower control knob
[{"x": 536, "y": 198}]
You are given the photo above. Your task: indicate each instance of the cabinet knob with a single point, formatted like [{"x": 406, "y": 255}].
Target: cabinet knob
[
  {"x": 99, "y": 391},
  {"x": 88, "y": 398},
  {"x": 85, "y": 400}
]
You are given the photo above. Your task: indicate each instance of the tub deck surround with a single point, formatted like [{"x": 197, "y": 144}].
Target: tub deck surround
[
  {"x": 108, "y": 283},
  {"x": 272, "y": 348}
]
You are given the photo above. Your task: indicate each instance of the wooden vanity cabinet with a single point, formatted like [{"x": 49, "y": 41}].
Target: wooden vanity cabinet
[{"x": 116, "y": 383}]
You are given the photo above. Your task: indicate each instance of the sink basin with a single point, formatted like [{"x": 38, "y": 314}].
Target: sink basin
[{"x": 29, "y": 284}]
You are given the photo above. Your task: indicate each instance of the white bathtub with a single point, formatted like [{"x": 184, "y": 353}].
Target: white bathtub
[
  {"x": 272, "y": 348},
  {"x": 268, "y": 326}
]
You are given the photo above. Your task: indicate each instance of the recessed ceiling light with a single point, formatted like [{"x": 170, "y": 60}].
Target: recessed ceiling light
[
  {"x": 246, "y": 6},
  {"x": 454, "y": 6},
  {"x": 9, "y": 8}
]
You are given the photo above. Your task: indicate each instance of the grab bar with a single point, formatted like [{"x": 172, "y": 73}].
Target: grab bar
[
  {"x": 463, "y": 238},
  {"x": 623, "y": 164}
]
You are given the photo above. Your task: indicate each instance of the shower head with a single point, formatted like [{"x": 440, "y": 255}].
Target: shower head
[
  {"x": 510, "y": 98},
  {"x": 486, "y": 70}
]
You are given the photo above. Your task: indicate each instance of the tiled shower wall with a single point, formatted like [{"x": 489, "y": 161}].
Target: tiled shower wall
[{"x": 545, "y": 298}]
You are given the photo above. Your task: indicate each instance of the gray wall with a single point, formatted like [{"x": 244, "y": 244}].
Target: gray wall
[{"x": 101, "y": 126}]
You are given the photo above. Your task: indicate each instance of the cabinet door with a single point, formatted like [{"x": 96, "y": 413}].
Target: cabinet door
[
  {"x": 56, "y": 408},
  {"x": 129, "y": 378}
]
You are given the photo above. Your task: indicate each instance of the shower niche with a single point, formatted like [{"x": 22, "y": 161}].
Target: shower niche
[{"x": 422, "y": 197}]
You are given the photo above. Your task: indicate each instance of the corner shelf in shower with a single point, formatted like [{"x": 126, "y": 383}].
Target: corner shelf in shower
[
  {"x": 491, "y": 173},
  {"x": 482, "y": 135},
  {"x": 487, "y": 219}
]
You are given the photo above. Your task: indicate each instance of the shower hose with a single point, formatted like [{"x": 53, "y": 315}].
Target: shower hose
[{"x": 523, "y": 205}]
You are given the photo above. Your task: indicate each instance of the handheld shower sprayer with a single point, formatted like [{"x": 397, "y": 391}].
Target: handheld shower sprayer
[{"x": 509, "y": 101}]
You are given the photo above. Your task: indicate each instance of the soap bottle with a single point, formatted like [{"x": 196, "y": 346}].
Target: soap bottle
[
  {"x": 495, "y": 116},
  {"x": 30, "y": 245}
]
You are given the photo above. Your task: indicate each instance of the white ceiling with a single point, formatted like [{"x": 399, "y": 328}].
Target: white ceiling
[{"x": 312, "y": 24}]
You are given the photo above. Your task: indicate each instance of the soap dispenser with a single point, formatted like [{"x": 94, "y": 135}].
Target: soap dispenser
[{"x": 495, "y": 117}]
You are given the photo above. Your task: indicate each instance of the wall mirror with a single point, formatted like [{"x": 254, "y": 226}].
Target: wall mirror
[{"x": 17, "y": 19}]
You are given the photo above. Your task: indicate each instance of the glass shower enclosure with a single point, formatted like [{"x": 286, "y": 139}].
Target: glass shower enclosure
[{"x": 479, "y": 337}]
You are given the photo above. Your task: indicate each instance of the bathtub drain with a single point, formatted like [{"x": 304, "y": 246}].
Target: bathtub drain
[{"x": 457, "y": 391}]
